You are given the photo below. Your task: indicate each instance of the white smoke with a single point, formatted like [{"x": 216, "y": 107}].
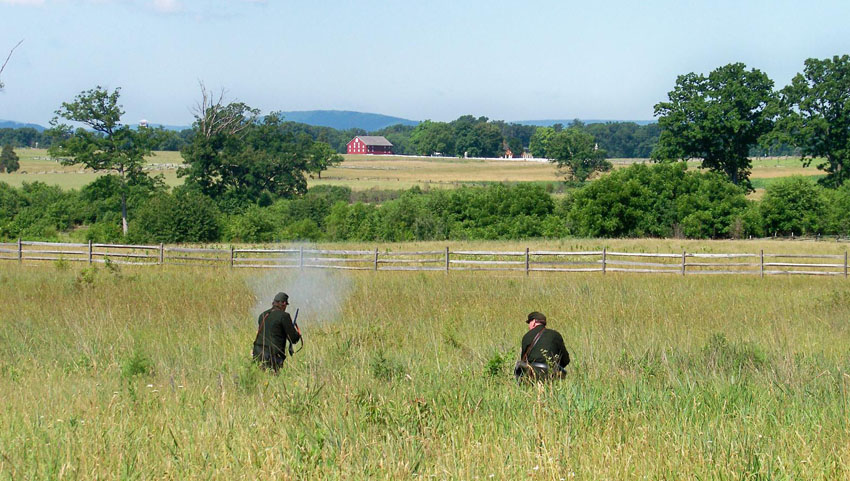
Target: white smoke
[{"x": 318, "y": 294}]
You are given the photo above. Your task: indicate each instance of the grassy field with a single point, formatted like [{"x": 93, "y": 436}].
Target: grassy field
[
  {"x": 362, "y": 172},
  {"x": 36, "y": 165},
  {"x": 143, "y": 374}
]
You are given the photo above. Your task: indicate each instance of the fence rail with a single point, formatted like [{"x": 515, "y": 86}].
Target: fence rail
[{"x": 527, "y": 261}]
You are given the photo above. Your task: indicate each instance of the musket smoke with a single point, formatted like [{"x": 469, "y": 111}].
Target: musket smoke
[{"x": 320, "y": 294}]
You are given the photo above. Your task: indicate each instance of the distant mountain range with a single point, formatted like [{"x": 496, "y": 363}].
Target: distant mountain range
[
  {"x": 565, "y": 122},
  {"x": 10, "y": 124},
  {"x": 345, "y": 119}
]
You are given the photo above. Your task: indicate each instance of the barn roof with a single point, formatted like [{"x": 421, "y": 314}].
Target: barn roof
[{"x": 374, "y": 140}]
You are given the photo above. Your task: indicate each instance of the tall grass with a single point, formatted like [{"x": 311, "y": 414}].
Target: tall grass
[{"x": 144, "y": 373}]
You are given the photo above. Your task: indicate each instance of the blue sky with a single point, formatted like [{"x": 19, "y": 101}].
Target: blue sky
[{"x": 437, "y": 60}]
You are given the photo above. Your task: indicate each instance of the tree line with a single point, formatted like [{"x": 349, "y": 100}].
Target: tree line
[
  {"x": 655, "y": 200},
  {"x": 619, "y": 139}
]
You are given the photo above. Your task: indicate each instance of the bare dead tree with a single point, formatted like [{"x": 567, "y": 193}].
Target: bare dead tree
[
  {"x": 214, "y": 117},
  {"x": 3, "y": 67}
]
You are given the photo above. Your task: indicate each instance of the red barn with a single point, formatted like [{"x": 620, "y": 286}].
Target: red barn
[{"x": 370, "y": 144}]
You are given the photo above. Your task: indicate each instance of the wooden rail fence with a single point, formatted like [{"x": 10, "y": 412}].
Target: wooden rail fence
[{"x": 527, "y": 261}]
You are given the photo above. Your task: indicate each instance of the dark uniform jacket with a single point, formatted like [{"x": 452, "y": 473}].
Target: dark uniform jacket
[
  {"x": 274, "y": 326},
  {"x": 550, "y": 347}
]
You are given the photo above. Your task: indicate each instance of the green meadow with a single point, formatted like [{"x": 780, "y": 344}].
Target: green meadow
[{"x": 143, "y": 373}]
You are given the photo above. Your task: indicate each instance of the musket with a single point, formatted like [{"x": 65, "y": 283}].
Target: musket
[{"x": 295, "y": 325}]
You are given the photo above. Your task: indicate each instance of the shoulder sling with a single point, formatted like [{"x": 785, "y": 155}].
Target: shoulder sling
[{"x": 531, "y": 346}]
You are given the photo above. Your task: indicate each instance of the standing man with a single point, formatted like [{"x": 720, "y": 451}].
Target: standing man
[
  {"x": 274, "y": 328},
  {"x": 543, "y": 351}
]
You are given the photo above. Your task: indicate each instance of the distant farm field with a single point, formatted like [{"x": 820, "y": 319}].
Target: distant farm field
[
  {"x": 37, "y": 166},
  {"x": 143, "y": 373},
  {"x": 365, "y": 172}
]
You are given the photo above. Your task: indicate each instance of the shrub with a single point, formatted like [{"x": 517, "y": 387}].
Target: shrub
[
  {"x": 661, "y": 200},
  {"x": 138, "y": 364},
  {"x": 837, "y": 205},
  {"x": 184, "y": 216},
  {"x": 497, "y": 365},
  {"x": 104, "y": 232},
  {"x": 256, "y": 224},
  {"x": 720, "y": 353},
  {"x": 304, "y": 229},
  {"x": 351, "y": 222},
  {"x": 794, "y": 205},
  {"x": 385, "y": 368}
]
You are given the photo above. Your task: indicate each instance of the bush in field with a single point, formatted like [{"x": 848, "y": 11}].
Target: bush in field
[
  {"x": 302, "y": 230},
  {"x": 41, "y": 211},
  {"x": 499, "y": 211},
  {"x": 410, "y": 217},
  {"x": 184, "y": 216},
  {"x": 101, "y": 199},
  {"x": 355, "y": 222},
  {"x": 385, "y": 368},
  {"x": 794, "y": 205},
  {"x": 286, "y": 219},
  {"x": 256, "y": 224},
  {"x": 662, "y": 200},
  {"x": 138, "y": 364},
  {"x": 11, "y": 202},
  {"x": 838, "y": 207},
  {"x": 104, "y": 232},
  {"x": 37, "y": 211},
  {"x": 721, "y": 354}
]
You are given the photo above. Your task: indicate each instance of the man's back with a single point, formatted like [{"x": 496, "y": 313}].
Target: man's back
[
  {"x": 550, "y": 346},
  {"x": 274, "y": 326}
]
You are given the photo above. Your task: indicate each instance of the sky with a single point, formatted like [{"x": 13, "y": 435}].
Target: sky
[{"x": 425, "y": 59}]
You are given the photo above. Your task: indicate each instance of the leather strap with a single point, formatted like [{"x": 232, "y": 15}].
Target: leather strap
[
  {"x": 531, "y": 346},
  {"x": 262, "y": 323}
]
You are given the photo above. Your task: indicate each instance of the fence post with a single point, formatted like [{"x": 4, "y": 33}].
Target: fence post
[
  {"x": 20, "y": 251},
  {"x": 91, "y": 254},
  {"x": 232, "y": 255},
  {"x": 527, "y": 261},
  {"x": 683, "y": 262},
  {"x": 604, "y": 258},
  {"x": 447, "y": 258},
  {"x": 161, "y": 253},
  {"x": 761, "y": 256},
  {"x": 376, "y": 258},
  {"x": 300, "y": 257},
  {"x": 845, "y": 263}
]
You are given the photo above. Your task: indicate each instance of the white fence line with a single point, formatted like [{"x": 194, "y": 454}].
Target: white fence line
[{"x": 526, "y": 261}]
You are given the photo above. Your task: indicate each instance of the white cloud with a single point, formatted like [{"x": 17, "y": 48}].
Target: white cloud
[{"x": 167, "y": 6}]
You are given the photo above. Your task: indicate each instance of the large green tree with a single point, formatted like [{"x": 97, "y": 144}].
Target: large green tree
[
  {"x": 575, "y": 151},
  {"x": 320, "y": 156},
  {"x": 716, "y": 118},
  {"x": 234, "y": 154},
  {"x": 476, "y": 137},
  {"x": 815, "y": 116},
  {"x": 8, "y": 159},
  {"x": 429, "y": 138},
  {"x": 539, "y": 142},
  {"x": 105, "y": 144}
]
